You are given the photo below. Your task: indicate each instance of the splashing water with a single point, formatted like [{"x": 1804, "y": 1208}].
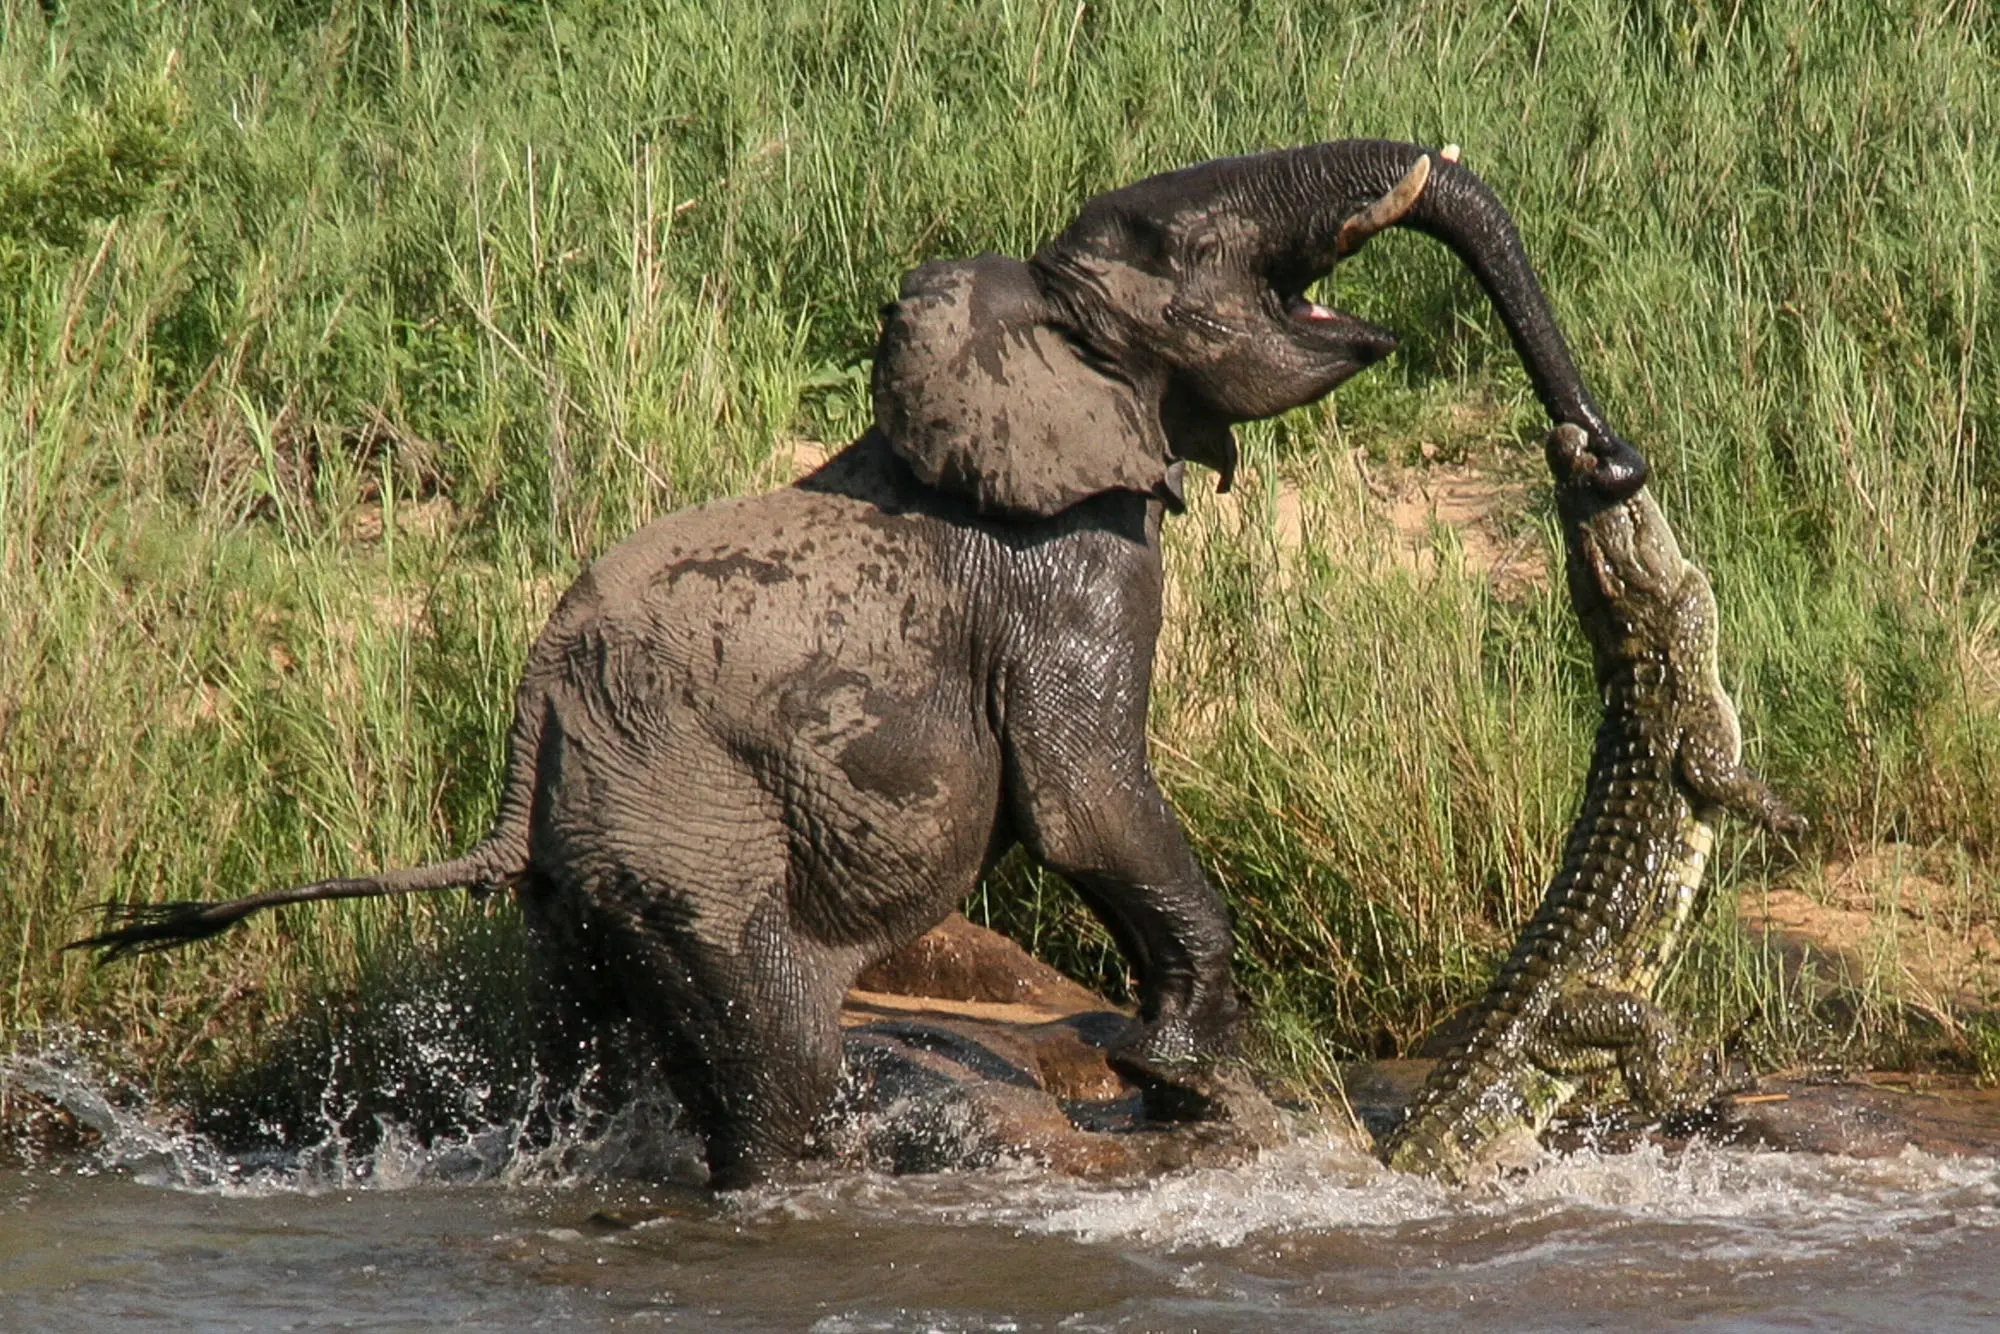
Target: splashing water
[
  {"x": 483, "y": 1229},
  {"x": 152, "y": 1148},
  {"x": 1796, "y": 1205}
]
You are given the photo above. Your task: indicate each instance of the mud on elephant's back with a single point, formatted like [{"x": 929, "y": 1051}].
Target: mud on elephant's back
[{"x": 963, "y": 1049}]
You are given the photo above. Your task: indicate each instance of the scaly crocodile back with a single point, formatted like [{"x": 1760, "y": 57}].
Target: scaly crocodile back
[
  {"x": 1630, "y": 876},
  {"x": 1575, "y": 995}
]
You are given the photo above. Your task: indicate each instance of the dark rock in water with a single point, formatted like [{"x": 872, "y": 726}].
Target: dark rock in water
[
  {"x": 35, "y": 1129},
  {"x": 982, "y": 1053},
  {"x": 1868, "y": 1117},
  {"x": 1864, "y": 1116},
  {"x": 1378, "y": 1091}
]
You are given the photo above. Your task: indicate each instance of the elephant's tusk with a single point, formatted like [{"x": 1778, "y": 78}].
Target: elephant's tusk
[
  {"x": 1384, "y": 212},
  {"x": 1449, "y": 152}
]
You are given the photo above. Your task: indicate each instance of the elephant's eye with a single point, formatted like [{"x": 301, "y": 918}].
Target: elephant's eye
[
  {"x": 1146, "y": 244},
  {"x": 1204, "y": 249}
]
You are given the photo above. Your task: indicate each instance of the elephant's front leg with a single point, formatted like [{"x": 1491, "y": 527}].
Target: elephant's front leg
[
  {"x": 1139, "y": 877},
  {"x": 1084, "y": 802}
]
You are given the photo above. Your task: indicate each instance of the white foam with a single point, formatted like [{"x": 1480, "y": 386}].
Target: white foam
[
  {"x": 1751, "y": 1200},
  {"x": 1718, "y": 1203}
]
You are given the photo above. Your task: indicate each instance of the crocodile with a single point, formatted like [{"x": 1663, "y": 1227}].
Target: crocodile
[{"x": 1575, "y": 996}]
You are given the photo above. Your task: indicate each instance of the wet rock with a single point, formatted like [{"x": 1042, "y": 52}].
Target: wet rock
[
  {"x": 958, "y": 961},
  {"x": 35, "y": 1128},
  {"x": 1868, "y": 1117},
  {"x": 981, "y": 1053},
  {"x": 1378, "y": 1091}
]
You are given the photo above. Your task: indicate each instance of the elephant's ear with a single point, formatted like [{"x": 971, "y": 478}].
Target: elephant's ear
[{"x": 983, "y": 396}]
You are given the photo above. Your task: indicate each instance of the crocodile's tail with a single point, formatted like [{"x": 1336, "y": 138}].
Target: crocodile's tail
[
  {"x": 496, "y": 861},
  {"x": 1485, "y": 1118},
  {"x": 1467, "y": 1100},
  {"x": 1426, "y": 1151}
]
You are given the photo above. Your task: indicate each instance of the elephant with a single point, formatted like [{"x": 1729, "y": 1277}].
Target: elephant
[{"x": 765, "y": 741}]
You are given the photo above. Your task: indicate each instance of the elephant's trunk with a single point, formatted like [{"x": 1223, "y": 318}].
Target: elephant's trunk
[{"x": 1350, "y": 190}]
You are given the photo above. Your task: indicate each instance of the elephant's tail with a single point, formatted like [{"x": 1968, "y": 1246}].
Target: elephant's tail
[
  {"x": 494, "y": 863},
  {"x": 142, "y": 928}
]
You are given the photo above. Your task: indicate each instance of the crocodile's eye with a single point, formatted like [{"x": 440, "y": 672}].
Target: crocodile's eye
[{"x": 1601, "y": 553}]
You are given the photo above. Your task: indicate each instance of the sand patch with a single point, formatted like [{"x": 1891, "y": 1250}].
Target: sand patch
[
  {"x": 794, "y": 459},
  {"x": 1478, "y": 512},
  {"x": 1892, "y": 919},
  {"x": 1474, "y": 516},
  {"x": 429, "y": 518}
]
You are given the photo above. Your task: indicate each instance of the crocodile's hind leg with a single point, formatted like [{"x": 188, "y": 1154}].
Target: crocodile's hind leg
[{"x": 1597, "y": 1027}]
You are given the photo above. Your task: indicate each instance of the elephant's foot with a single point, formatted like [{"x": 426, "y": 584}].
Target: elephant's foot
[
  {"x": 1222, "y": 1092},
  {"x": 1188, "y": 1068},
  {"x": 1179, "y": 1051},
  {"x": 767, "y": 1140},
  {"x": 757, "y": 1152}
]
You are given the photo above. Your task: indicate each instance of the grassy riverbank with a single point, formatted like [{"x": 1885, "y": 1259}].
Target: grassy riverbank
[{"x": 333, "y": 341}]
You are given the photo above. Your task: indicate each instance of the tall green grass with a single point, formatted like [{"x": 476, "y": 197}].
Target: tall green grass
[{"x": 335, "y": 336}]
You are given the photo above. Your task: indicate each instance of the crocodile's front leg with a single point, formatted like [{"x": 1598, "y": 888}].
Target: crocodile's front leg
[
  {"x": 1708, "y": 752},
  {"x": 1714, "y": 774}
]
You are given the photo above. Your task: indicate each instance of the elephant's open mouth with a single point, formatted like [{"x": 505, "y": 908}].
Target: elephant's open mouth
[
  {"x": 1329, "y": 333},
  {"x": 1299, "y": 308}
]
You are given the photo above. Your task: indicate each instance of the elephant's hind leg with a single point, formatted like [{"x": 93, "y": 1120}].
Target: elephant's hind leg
[
  {"x": 755, "y": 1034},
  {"x": 586, "y": 1064},
  {"x": 785, "y": 1055}
]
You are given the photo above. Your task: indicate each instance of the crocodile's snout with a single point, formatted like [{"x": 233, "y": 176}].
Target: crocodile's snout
[
  {"x": 1609, "y": 465},
  {"x": 1568, "y": 450}
]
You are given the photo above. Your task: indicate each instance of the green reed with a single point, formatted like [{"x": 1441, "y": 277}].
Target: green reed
[{"x": 335, "y": 337}]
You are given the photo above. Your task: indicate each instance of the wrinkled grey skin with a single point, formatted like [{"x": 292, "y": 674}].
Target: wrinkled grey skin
[{"x": 765, "y": 742}]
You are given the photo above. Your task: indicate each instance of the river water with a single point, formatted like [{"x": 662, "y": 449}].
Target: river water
[{"x": 154, "y": 1229}]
